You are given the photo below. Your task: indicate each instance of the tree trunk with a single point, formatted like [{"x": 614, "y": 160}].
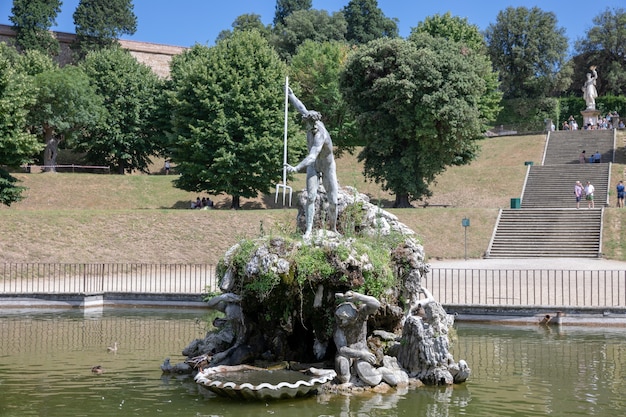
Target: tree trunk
[
  {"x": 402, "y": 201},
  {"x": 51, "y": 151},
  {"x": 235, "y": 204}
]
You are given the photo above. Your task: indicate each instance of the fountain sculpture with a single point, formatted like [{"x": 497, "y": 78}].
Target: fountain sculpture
[
  {"x": 349, "y": 308},
  {"x": 343, "y": 304}
]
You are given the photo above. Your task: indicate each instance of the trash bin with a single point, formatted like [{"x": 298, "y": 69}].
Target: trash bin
[
  {"x": 516, "y": 203},
  {"x": 528, "y": 163}
]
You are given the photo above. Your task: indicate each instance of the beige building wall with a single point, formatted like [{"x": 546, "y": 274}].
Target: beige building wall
[{"x": 156, "y": 56}]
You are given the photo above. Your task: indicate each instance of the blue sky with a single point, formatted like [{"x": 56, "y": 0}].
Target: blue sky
[{"x": 186, "y": 22}]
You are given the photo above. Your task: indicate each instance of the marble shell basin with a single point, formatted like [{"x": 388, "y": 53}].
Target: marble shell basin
[{"x": 251, "y": 383}]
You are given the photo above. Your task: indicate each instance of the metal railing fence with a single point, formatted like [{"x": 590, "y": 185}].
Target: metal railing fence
[
  {"x": 450, "y": 286},
  {"x": 54, "y": 278},
  {"x": 528, "y": 288}
]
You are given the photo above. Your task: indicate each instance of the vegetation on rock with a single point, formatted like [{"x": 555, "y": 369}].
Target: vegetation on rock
[{"x": 287, "y": 285}]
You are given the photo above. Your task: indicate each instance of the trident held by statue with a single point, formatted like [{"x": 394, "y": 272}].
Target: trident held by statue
[{"x": 284, "y": 185}]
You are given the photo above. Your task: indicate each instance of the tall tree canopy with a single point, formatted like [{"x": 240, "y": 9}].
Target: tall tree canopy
[
  {"x": 316, "y": 68},
  {"x": 457, "y": 29},
  {"x": 32, "y": 20},
  {"x": 604, "y": 46},
  {"x": 302, "y": 25},
  {"x": 249, "y": 21},
  {"x": 418, "y": 109},
  {"x": 366, "y": 22},
  {"x": 228, "y": 117},
  {"x": 65, "y": 103},
  {"x": 33, "y": 62},
  {"x": 125, "y": 138},
  {"x": 285, "y": 7},
  {"x": 529, "y": 51},
  {"x": 453, "y": 28},
  {"x": 100, "y": 23},
  {"x": 17, "y": 145}
]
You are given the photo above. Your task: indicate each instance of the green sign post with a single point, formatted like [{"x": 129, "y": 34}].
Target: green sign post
[{"x": 465, "y": 223}]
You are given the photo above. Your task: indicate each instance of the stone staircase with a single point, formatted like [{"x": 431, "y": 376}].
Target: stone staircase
[
  {"x": 552, "y": 186},
  {"x": 565, "y": 146},
  {"x": 547, "y": 224},
  {"x": 537, "y": 233}
]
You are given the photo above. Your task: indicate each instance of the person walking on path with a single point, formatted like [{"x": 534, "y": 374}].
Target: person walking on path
[
  {"x": 578, "y": 192},
  {"x": 620, "y": 194},
  {"x": 589, "y": 189}
]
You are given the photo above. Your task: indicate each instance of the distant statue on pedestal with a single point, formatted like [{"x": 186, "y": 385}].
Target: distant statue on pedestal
[
  {"x": 589, "y": 89},
  {"x": 590, "y": 114},
  {"x": 319, "y": 161}
]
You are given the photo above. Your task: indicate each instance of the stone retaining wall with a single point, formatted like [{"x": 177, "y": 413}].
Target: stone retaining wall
[
  {"x": 156, "y": 56},
  {"x": 100, "y": 301}
]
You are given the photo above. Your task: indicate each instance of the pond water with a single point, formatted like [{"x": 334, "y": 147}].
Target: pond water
[{"x": 46, "y": 360}]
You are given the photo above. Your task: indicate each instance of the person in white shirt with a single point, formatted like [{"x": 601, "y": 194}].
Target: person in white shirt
[{"x": 589, "y": 189}]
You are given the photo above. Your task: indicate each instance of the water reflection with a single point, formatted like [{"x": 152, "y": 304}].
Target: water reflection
[
  {"x": 545, "y": 371},
  {"x": 46, "y": 361}
]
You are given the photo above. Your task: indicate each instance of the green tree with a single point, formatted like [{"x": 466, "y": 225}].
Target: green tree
[
  {"x": 316, "y": 68},
  {"x": 366, "y": 22},
  {"x": 528, "y": 50},
  {"x": 246, "y": 22},
  {"x": 418, "y": 109},
  {"x": 228, "y": 117},
  {"x": 285, "y": 7},
  {"x": 65, "y": 104},
  {"x": 457, "y": 29},
  {"x": 17, "y": 144},
  {"x": 32, "y": 20},
  {"x": 34, "y": 62},
  {"x": 302, "y": 25},
  {"x": 100, "y": 23},
  {"x": 454, "y": 28},
  {"x": 125, "y": 138},
  {"x": 604, "y": 46}
]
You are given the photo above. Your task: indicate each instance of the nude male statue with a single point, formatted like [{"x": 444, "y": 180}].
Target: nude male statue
[{"x": 320, "y": 160}]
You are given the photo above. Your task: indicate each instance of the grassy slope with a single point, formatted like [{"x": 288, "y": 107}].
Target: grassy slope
[{"x": 143, "y": 218}]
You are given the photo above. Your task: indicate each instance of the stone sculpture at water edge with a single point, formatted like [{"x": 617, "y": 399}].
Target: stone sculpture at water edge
[{"x": 288, "y": 297}]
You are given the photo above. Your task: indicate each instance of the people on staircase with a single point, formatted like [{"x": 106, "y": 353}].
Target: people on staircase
[
  {"x": 578, "y": 192},
  {"x": 597, "y": 158},
  {"x": 620, "y": 194},
  {"x": 589, "y": 190}
]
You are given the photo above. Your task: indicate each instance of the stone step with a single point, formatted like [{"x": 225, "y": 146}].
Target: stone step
[
  {"x": 544, "y": 232},
  {"x": 543, "y": 252},
  {"x": 548, "y": 223},
  {"x": 553, "y": 186},
  {"x": 564, "y": 147}
]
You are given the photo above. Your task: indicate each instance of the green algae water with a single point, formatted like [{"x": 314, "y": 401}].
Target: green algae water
[{"x": 46, "y": 360}]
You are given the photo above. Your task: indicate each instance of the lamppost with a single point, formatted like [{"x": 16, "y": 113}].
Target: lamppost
[{"x": 465, "y": 223}]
